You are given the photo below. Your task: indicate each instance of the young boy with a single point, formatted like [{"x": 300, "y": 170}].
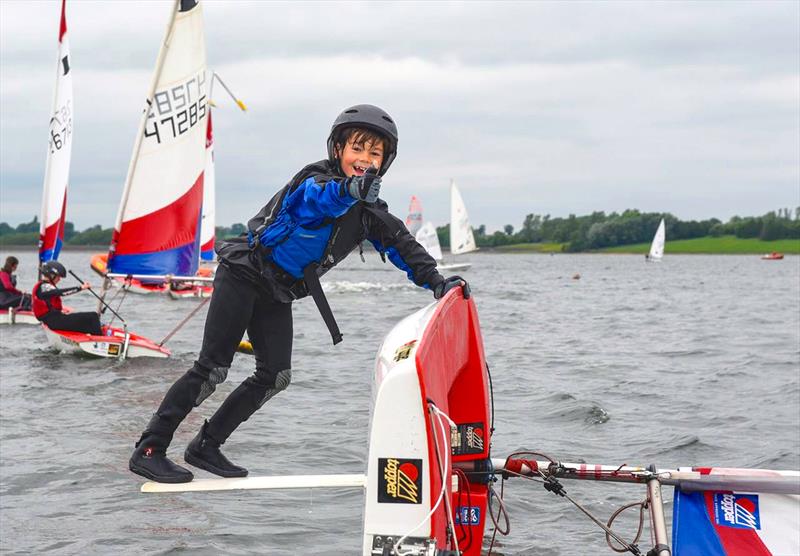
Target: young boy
[
  {"x": 306, "y": 229},
  {"x": 47, "y": 303}
]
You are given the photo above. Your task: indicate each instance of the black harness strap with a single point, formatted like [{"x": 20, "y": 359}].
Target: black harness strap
[{"x": 315, "y": 289}]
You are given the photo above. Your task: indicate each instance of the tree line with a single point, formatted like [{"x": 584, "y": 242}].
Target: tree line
[
  {"x": 598, "y": 229},
  {"x": 576, "y": 233}
]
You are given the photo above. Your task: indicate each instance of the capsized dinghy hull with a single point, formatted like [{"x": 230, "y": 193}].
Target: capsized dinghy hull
[{"x": 115, "y": 343}]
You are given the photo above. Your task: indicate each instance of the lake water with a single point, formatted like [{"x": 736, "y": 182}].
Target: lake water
[{"x": 693, "y": 361}]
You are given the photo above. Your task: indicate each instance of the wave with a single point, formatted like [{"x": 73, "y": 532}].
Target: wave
[{"x": 345, "y": 286}]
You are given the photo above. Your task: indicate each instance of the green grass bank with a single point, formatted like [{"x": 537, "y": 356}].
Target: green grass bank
[{"x": 724, "y": 245}]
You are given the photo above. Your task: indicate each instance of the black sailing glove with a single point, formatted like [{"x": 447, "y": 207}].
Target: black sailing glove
[
  {"x": 366, "y": 187},
  {"x": 448, "y": 284}
]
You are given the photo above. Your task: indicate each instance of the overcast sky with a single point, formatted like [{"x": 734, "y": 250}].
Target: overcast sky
[{"x": 532, "y": 107}]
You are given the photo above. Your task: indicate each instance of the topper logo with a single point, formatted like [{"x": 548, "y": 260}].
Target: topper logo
[
  {"x": 400, "y": 480},
  {"x": 737, "y": 510},
  {"x": 475, "y": 438}
]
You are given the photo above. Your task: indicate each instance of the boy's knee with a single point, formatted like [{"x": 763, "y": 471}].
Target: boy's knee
[
  {"x": 211, "y": 377},
  {"x": 272, "y": 382}
]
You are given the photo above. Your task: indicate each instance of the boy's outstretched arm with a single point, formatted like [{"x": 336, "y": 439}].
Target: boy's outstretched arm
[
  {"x": 319, "y": 197},
  {"x": 389, "y": 235}
]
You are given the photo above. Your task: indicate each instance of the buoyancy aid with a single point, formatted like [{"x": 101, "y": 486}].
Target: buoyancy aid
[
  {"x": 43, "y": 306},
  {"x": 11, "y": 279}
]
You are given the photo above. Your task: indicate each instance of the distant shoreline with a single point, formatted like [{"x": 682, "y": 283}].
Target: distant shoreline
[{"x": 725, "y": 245}]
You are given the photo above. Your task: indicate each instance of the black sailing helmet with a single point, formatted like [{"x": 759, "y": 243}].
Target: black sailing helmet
[
  {"x": 51, "y": 269},
  {"x": 368, "y": 117}
]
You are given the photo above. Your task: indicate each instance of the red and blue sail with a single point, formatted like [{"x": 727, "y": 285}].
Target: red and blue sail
[
  {"x": 59, "y": 153},
  {"x": 727, "y": 523},
  {"x": 158, "y": 224}
]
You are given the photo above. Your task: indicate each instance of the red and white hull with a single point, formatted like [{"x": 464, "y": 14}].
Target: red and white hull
[
  {"x": 115, "y": 343},
  {"x": 430, "y": 374}
]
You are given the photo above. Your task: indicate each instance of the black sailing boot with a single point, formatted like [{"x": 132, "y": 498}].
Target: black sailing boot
[
  {"x": 203, "y": 452},
  {"x": 152, "y": 462}
]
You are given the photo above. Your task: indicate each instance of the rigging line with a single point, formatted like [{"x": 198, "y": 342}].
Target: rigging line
[
  {"x": 500, "y": 511},
  {"x": 463, "y": 485},
  {"x": 642, "y": 506},
  {"x": 124, "y": 290},
  {"x": 448, "y": 499},
  {"x": 185, "y": 320},
  {"x": 559, "y": 489},
  {"x": 398, "y": 543}
]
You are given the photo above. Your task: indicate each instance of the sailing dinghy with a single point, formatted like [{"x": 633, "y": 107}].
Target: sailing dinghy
[
  {"x": 414, "y": 218},
  {"x": 462, "y": 239},
  {"x": 115, "y": 343},
  {"x": 429, "y": 484},
  {"x": 429, "y": 239},
  {"x": 156, "y": 237},
  {"x": 56, "y": 174},
  {"x": 657, "y": 246},
  {"x": 426, "y": 235}
]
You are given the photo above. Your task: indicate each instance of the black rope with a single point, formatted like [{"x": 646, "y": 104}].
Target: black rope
[{"x": 642, "y": 507}]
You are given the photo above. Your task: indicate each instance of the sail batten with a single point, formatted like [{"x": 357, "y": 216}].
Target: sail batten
[
  {"x": 159, "y": 218},
  {"x": 59, "y": 154}
]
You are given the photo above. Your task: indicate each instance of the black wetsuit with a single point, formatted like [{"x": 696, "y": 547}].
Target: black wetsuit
[{"x": 253, "y": 293}]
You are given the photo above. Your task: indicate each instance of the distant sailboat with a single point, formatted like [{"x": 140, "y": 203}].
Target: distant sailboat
[
  {"x": 157, "y": 233},
  {"x": 429, "y": 239},
  {"x": 56, "y": 174},
  {"x": 657, "y": 247},
  {"x": 59, "y": 154},
  {"x": 414, "y": 218},
  {"x": 461, "y": 238}
]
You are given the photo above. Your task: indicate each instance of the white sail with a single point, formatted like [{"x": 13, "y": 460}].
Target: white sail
[
  {"x": 157, "y": 227},
  {"x": 59, "y": 153},
  {"x": 207, "y": 226},
  {"x": 461, "y": 238},
  {"x": 657, "y": 247},
  {"x": 429, "y": 239}
]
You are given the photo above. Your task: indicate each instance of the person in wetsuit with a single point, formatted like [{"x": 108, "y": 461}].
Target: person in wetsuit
[
  {"x": 324, "y": 213},
  {"x": 47, "y": 303},
  {"x": 10, "y": 296}
]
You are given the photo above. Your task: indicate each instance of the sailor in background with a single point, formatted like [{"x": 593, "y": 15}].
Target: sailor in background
[
  {"x": 47, "y": 303},
  {"x": 324, "y": 213},
  {"x": 10, "y": 296}
]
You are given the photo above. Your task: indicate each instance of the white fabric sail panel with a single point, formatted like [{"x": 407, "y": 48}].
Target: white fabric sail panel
[
  {"x": 209, "y": 195},
  {"x": 461, "y": 238},
  {"x": 172, "y": 155},
  {"x": 429, "y": 239},
  {"x": 59, "y": 153},
  {"x": 657, "y": 247}
]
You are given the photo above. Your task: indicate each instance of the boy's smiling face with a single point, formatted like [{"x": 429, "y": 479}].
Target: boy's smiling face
[{"x": 356, "y": 157}]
